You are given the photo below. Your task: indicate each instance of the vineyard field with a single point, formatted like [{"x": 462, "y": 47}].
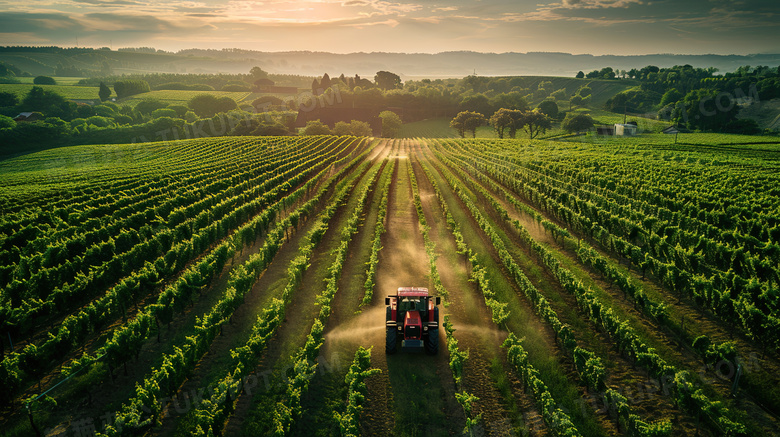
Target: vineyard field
[{"x": 236, "y": 286}]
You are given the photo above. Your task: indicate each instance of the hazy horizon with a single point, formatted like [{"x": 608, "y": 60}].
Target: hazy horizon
[{"x": 594, "y": 27}]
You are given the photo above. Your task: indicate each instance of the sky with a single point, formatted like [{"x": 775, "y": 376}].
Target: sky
[{"x": 620, "y": 27}]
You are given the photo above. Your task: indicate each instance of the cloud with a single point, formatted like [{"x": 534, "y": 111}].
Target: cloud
[{"x": 390, "y": 22}]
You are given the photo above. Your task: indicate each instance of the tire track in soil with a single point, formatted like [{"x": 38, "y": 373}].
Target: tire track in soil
[
  {"x": 483, "y": 341},
  {"x": 300, "y": 312},
  {"x": 652, "y": 405},
  {"x": 410, "y": 396}
]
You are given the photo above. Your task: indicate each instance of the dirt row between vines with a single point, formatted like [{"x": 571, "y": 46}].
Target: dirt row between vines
[{"x": 413, "y": 394}]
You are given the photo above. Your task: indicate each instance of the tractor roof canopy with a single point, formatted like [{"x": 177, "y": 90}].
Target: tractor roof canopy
[{"x": 412, "y": 292}]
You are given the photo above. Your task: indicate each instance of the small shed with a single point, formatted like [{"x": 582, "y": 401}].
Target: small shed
[
  {"x": 625, "y": 130},
  {"x": 28, "y": 116},
  {"x": 671, "y": 130}
]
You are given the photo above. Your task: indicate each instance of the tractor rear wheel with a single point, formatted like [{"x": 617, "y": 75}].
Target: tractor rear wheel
[
  {"x": 391, "y": 344},
  {"x": 392, "y": 334},
  {"x": 432, "y": 344}
]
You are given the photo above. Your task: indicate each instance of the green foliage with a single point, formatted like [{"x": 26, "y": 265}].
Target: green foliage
[
  {"x": 180, "y": 110},
  {"x": 707, "y": 110},
  {"x": 534, "y": 122},
  {"x": 359, "y": 371},
  {"x": 510, "y": 100},
  {"x": 184, "y": 87},
  {"x": 549, "y": 108},
  {"x": 235, "y": 87},
  {"x": 387, "y": 80},
  {"x": 104, "y": 93},
  {"x": 391, "y": 122},
  {"x": 164, "y": 112},
  {"x": 477, "y": 103},
  {"x": 671, "y": 96},
  {"x": 7, "y": 122},
  {"x": 354, "y": 128},
  {"x": 467, "y": 121},
  {"x": 43, "y": 100},
  {"x": 208, "y": 105},
  {"x": 8, "y": 99},
  {"x": 505, "y": 120},
  {"x": 379, "y": 230},
  {"x": 577, "y": 122},
  {"x": 127, "y": 88},
  {"x": 44, "y": 80},
  {"x": 633, "y": 100},
  {"x": 316, "y": 127},
  {"x": 147, "y": 106}
]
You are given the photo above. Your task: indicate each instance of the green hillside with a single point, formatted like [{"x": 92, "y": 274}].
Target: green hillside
[{"x": 67, "y": 91}]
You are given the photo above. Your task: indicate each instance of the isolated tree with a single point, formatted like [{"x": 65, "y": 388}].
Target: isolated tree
[
  {"x": 505, "y": 121},
  {"x": 580, "y": 75},
  {"x": 315, "y": 86},
  {"x": 104, "y": 93},
  {"x": 387, "y": 80},
  {"x": 534, "y": 122},
  {"x": 44, "y": 80},
  {"x": 467, "y": 121},
  {"x": 549, "y": 108},
  {"x": 258, "y": 73},
  {"x": 391, "y": 123},
  {"x": 577, "y": 122}
]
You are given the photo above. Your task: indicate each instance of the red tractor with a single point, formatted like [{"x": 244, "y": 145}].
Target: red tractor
[{"x": 413, "y": 316}]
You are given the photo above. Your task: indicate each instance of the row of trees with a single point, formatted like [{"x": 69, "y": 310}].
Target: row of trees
[
  {"x": 509, "y": 121},
  {"x": 384, "y": 80},
  {"x": 504, "y": 121}
]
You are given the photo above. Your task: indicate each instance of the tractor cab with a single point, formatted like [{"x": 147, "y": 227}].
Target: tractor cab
[{"x": 413, "y": 316}]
